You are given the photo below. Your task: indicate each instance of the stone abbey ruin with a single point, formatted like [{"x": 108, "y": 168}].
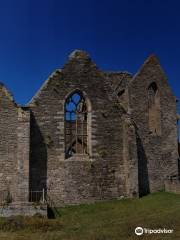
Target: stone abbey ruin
[{"x": 89, "y": 135}]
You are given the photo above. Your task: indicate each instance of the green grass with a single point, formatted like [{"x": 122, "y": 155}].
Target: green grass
[{"x": 111, "y": 220}]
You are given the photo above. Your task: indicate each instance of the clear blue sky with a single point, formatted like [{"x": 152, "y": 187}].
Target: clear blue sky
[{"x": 37, "y": 36}]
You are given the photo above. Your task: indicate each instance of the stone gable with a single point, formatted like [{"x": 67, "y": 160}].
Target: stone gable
[{"x": 125, "y": 154}]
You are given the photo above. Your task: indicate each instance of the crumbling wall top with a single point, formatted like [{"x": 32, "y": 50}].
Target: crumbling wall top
[{"x": 79, "y": 54}]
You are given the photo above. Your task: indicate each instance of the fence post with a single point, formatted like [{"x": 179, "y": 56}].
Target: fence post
[{"x": 43, "y": 196}]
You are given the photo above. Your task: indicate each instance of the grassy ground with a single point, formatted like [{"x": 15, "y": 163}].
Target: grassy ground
[{"x": 112, "y": 220}]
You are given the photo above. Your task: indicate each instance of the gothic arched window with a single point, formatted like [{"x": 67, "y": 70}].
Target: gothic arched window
[
  {"x": 154, "y": 111},
  {"x": 76, "y": 115}
]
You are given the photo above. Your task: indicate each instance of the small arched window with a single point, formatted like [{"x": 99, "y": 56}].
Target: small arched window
[
  {"x": 154, "y": 110},
  {"x": 76, "y": 115}
]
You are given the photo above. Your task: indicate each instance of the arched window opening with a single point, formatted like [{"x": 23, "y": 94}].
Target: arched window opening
[
  {"x": 76, "y": 114},
  {"x": 154, "y": 111}
]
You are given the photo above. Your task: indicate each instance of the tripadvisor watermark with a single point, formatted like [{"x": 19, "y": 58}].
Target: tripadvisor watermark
[{"x": 140, "y": 231}]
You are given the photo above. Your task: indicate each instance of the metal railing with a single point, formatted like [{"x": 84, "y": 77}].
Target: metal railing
[
  {"x": 37, "y": 196},
  {"x": 32, "y": 196}
]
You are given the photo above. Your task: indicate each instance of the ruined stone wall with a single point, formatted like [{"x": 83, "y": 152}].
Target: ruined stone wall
[
  {"x": 8, "y": 141},
  {"x": 119, "y": 82},
  {"x": 23, "y": 146},
  {"x": 130, "y": 157},
  {"x": 14, "y": 148},
  {"x": 157, "y": 153},
  {"x": 130, "y": 153},
  {"x": 98, "y": 175}
]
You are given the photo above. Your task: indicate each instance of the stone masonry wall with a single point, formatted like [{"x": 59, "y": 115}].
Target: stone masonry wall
[
  {"x": 100, "y": 174},
  {"x": 23, "y": 143},
  {"x": 125, "y": 157},
  {"x": 8, "y": 141},
  {"x": 158, "y": 154},
  {"x": 14, "y": 148}
]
